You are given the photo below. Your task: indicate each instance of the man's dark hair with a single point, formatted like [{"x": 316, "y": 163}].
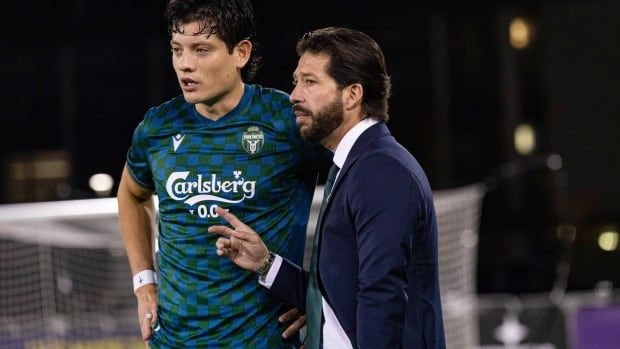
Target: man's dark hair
[
  {"x": 231, "y": 20},
  {"x": 354, "y": 58}
]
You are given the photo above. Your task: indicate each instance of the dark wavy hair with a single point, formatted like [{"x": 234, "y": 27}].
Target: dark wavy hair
[
  {"x": 354, "y": 58},
  {"x": 231, "y": 20}
]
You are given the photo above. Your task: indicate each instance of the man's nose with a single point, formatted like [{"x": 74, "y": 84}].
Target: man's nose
[
  {"x": 295, "y": 96},
  {"x": 185, "y": 61}
]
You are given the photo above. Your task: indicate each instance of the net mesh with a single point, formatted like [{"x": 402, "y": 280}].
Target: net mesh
[
  {"x": 458, "y": 216},
  {"x": 65, "y": 280}
]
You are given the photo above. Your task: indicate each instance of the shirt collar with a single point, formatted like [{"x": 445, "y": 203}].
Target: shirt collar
[{"x": 345, "y": 145}]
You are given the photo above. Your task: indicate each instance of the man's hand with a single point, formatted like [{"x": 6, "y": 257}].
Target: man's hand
[
  {"x": 298, "y": 321},
  {"x": 242, "y": 245},
  {"x": 147, "y": 310}
]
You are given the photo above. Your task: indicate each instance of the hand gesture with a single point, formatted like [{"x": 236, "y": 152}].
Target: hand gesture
[{"x": 242, "y": 245}]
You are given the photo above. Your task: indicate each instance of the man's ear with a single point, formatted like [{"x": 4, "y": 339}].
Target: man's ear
[
  {"x": 352, "y": 96},
  {"x": 242, "y": 53}
]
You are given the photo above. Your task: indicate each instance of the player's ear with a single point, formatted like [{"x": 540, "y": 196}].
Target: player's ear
[{"x": 242, "y": 53}]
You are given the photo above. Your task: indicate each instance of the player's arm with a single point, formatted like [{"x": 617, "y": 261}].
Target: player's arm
[{"x": 135, "y": 207}]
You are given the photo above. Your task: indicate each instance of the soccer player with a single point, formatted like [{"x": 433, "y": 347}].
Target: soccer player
[{"x": 224, "y": 143}]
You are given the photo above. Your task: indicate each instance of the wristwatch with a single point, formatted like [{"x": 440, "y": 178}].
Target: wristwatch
[{"x": 264, "y": 268}]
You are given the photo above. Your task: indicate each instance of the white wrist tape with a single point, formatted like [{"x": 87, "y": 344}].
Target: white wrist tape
[{"x": 144, "y": 277}]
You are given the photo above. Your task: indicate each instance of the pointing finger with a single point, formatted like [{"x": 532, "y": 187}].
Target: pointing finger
[{"x": 230, "y": 218}]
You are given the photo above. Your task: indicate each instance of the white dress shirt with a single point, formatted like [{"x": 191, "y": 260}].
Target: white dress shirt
[{"x": 334, "y": 336}]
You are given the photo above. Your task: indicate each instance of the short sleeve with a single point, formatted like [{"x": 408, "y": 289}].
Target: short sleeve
[{"x": 137, "y": 157}]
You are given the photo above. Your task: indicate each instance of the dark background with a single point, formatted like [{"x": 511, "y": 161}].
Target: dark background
[{"x": 78, "y": 76}]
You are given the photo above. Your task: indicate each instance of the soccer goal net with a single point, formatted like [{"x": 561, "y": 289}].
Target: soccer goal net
[
  {"x": 64, "y": 277},
  {"x": 65, "y": 280},
  {"x": 458, "y": 216}
]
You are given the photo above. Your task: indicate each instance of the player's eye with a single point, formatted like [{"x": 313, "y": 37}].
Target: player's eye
[{"x": 202, "y": 50}]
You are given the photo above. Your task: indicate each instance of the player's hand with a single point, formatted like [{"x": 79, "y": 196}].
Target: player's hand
[
  {"x": 242, "y": 245},
  {"x": 298, "y": 321},
  {"x": 147, "y": 310}
]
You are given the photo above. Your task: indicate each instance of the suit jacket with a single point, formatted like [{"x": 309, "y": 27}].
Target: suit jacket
[{"x": 377, "y": 262}]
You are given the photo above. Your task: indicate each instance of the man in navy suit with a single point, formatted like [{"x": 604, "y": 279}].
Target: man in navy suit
[{"x": 376, "y": 268}]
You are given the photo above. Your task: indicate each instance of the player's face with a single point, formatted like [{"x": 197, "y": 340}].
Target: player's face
[
  {"x": 206, "y": 71},
  {"x": 316, "y": 97}
]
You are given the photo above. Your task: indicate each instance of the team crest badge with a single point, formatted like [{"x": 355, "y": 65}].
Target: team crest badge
[{"x": 253, "y": 140}]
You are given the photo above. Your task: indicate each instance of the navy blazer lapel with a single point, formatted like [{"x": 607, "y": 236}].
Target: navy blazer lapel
[{"x": 360, "y": 145}]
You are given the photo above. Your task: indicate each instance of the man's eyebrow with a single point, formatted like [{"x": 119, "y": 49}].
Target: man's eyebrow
[
  {"x": 304, "y": 74},
  {"x": 192, "y": 44}
]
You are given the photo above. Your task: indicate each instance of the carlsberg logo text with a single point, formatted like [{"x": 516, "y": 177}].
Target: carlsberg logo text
[{"x": 209, "y": 188}]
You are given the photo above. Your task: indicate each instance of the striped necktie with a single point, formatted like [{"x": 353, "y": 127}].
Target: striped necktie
[{"x": 314, "y": 307}]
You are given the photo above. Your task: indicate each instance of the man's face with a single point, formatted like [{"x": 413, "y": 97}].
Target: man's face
[
  {"x": 205, "y": 69},
  {"x": 316, "y": 97}
]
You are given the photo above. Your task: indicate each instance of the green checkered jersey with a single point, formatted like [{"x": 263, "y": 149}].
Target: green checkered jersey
[{"x": 252, "y": 162}]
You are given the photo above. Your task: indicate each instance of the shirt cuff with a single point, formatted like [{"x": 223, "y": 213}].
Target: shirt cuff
[{"x": 270, "y": 277}]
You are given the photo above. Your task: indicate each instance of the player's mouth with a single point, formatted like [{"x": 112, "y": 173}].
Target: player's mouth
[{"x": 188, "y": 84}]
